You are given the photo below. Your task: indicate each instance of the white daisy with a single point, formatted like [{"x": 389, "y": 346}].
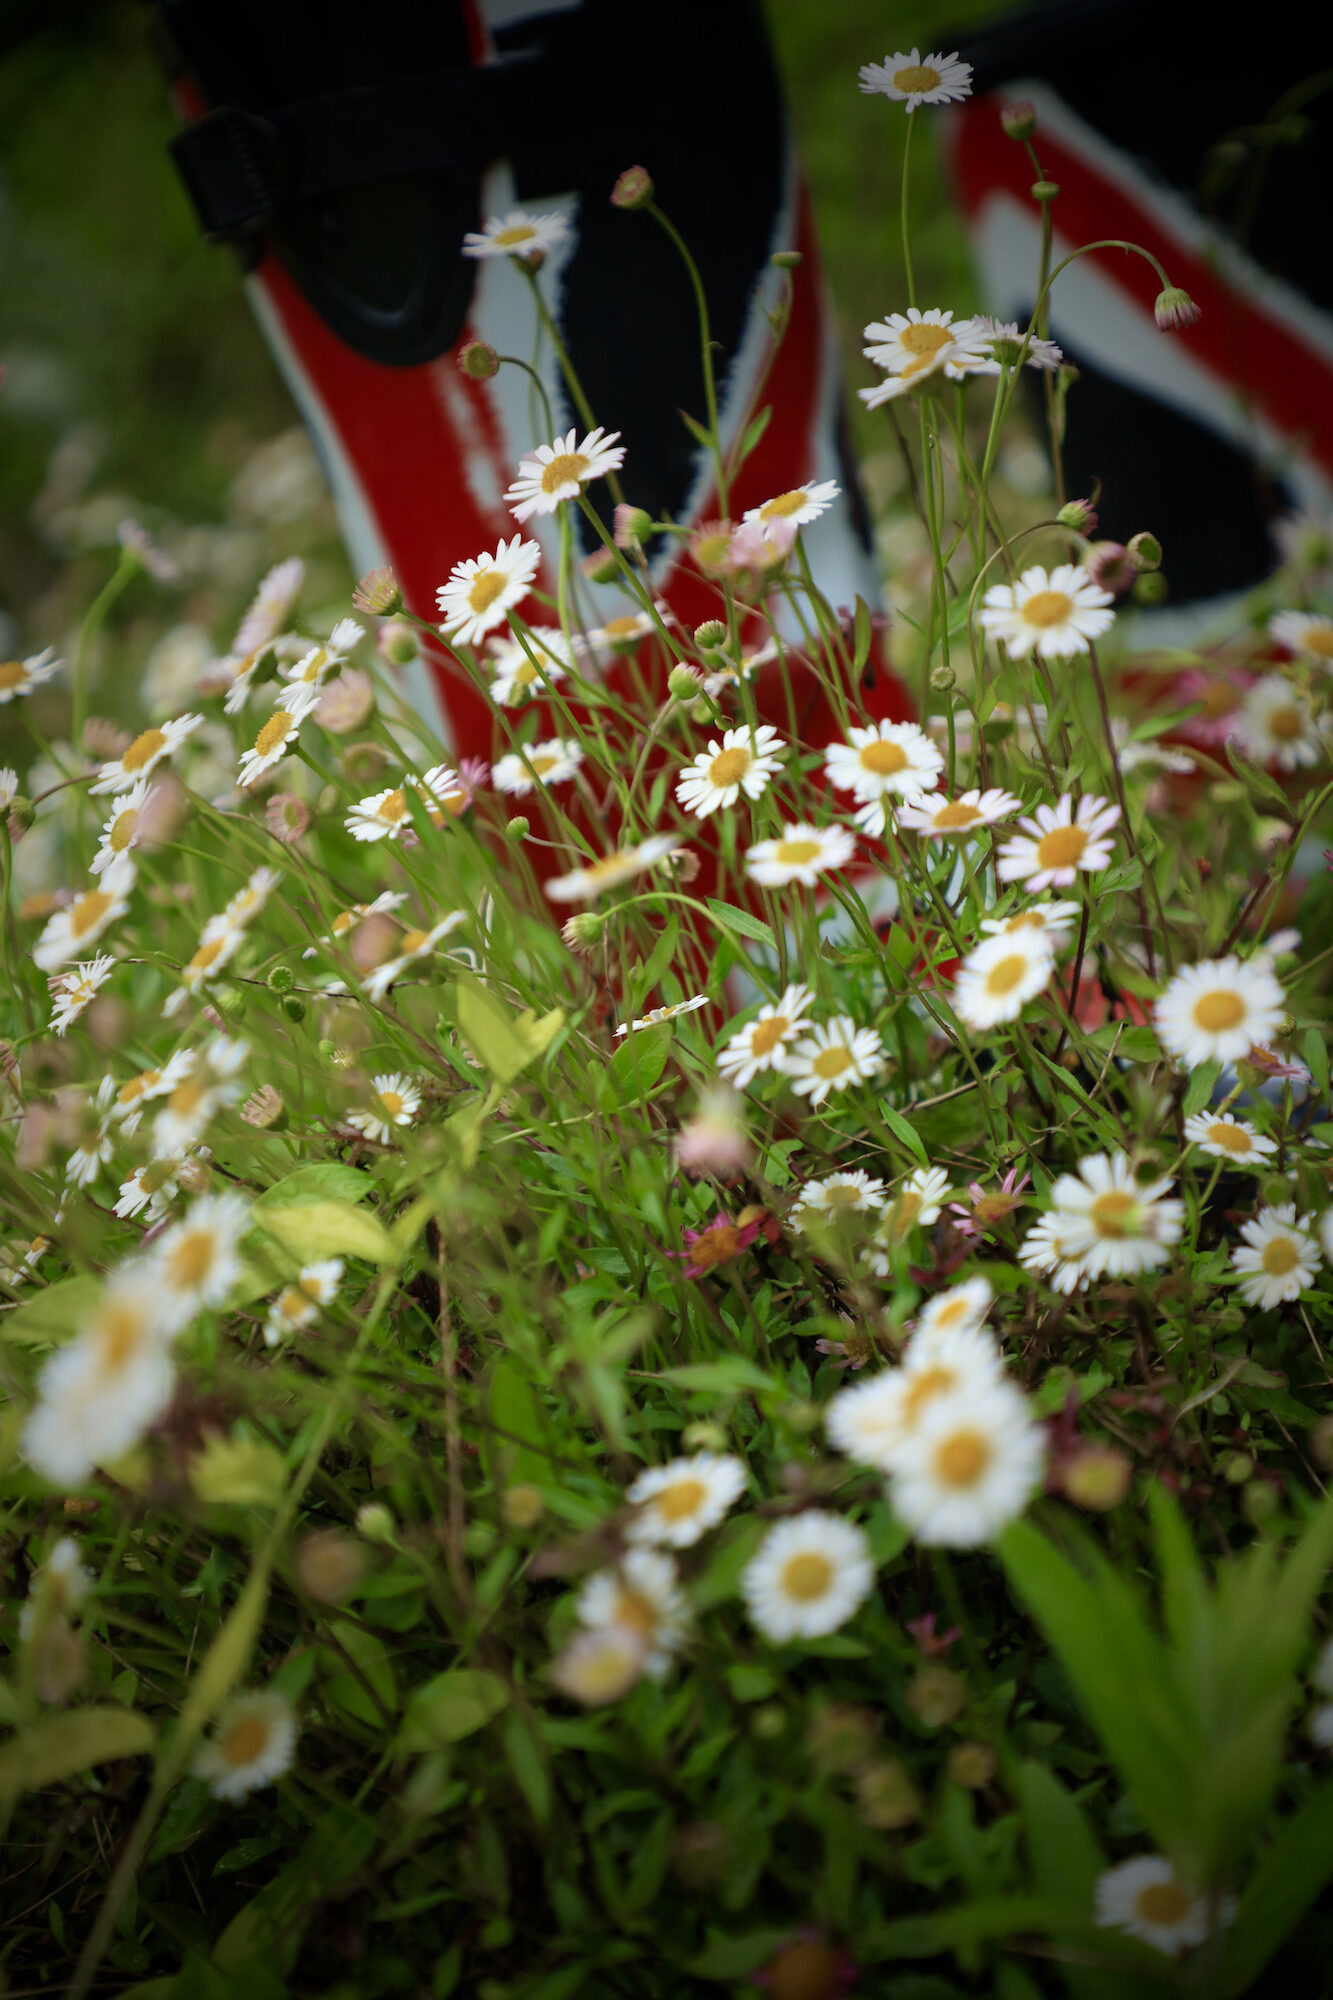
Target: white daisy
[
  {"x": 244, "y": 674},
  {"x": 151, "y": 1187},
  {"x": 1112, "y": 1224},
  {"x": 121, "y": 831},
  {"x": 999, "y": 976},
  {"x": 397, "y": 1102},
  {"x": 833, "y": 1056},
  {"x": 968, "y": 1465},
  {"x": 96, "y": 1145},
  {"x": 140, "y": 1090},
  {"x": 656, "y": 1015},
  {"x": 9, "y": 786},
  {"x": 242, "y": 908},
  {"x": 550, "y": 763},
  {"x": 1213, "y": 1012},
  {"x": 272, "y": 607},
  {"x": 19, "y": 677},
  {"x": 82, "y": 922},
  {"x": 801, "y": 854},
  {"x": 197, "y": 1262},
  {"x": 483, "y": 590},
  {"x": 585, "y": 885},
  {"x": 917, "y": 1205},
  {"x": 933, "y": 343},
  {"x": 849, "y": 1193},
  {"x": 642, "y": 1595},
  {"x": 97, "y": 1395},
  {"x": 1308, "y": 634},
  {"x": 762, "y": 1043},
  {"x": 619, "y": 636},
  {"x": 1149, "y": 1900},
  {"x": 213, "y": 1081},
  {"x": 962, "y": 1307},
  {"x": 1053, "y": 921},
  {"x": 346, "y": 921},
  {"x": 412, "y": 946},
  {"x": 600, "y": 1665},
  {"x": 1058, "y": 843},
  {"x": 1276, "y": 725},
  {"x": 211, "y": 956},
  {"x": 278, "y": 734},
  {"x": 1007, "y": 341},
  {"x": 253, "y": 1743},
  {"x": 871, "y": 1421},
  {"x": 744, "y": 761},
  {"x": 381, "y": 816},
  {"x": 71, "y": 991},
  {"x": 885, "y": 759},
  {"x": 1223, "y": 1137},
  {"x": 914, "y": 79},
  {"x": 679, "y": 1502},
  {"x": 1043, "y": 1250},
  {"x": 144, "y": 754},
  {"x": 559, "y": 471},
  {"x": 957, "y": 819},
  {"x": 1279, "y": 1260},
  {"x": 60, "y": 1585},
  {"x": 515, "y": 235},
  {"x": 811, "y": 1574},
  {"x": 298, "y": 1304},
  {"x": 1055, "y": 616},
  {"x": 521, "y": 668},
  {"x": 799, "y": 507}
]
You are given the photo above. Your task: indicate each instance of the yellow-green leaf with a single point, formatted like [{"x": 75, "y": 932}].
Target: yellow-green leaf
[
  {"x": 451, "y": 1706},
  {"x": 314, "y": 1229},
  {"x": 59, "y": 1746},
  {"x": 490, "y": 1032},
  {"x": 238, "y": 1472},
  {"x": 53, "y": 1313},
  {"x": 222, "y": 1666}
]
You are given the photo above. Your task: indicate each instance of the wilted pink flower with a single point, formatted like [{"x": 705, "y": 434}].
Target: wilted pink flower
[
  {"x": 1110, "y": 567},
  {"x": 286, "y": 817},
  {"x": 1174, "y": 309},
  {"x": 135, "y": 539},
  {"x": 345, "y": 703},
  {"x": 715, "y": 1139},
  {"x": 1281, "y": 1069},
  {"x": 105, "y": 739},
  {"x": 379, "y": 592},
  {"x": 710, "y": 546},
  {"x": 932, "y": 1646},
  {"x": 722, "y": 1240},
  {"x": 762, "y": 545},
  {"x": 1220, "y": 694},
  {"x": 985, "y": 1209}
]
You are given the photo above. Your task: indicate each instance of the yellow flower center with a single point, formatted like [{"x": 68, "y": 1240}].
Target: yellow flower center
[
  {"x": 130, "y": 1093},
  {"x": 205, "y": 956},
  {"x": 923, "y": 340},
  {"x": 954, "y": 817},
  {"x": 797, "y": 853},
  {"x": 485, "y": 588},
  {"x": 13, "y": 673},
  {"x": 414, "y": 940},
  {"x": 712, "y": 551},
  {"x": 842, "y": 1194},
  {"x": 1231, "y": 1138},
  {"x": 1116, "y": 1215},
  {"x": 930, "y": 1382},
  {"x": 1062, "y": 847},
  {"x": 991, "y": 1207},
  {"x": 1280, "y": 1257},
  {"x": 393, "y": 807},
  {"x": 716, "y": 1245},
  {"x": 1005, "y": 975},
  {"x": 524, "y": 674},
  {"x": 807, "y": 1576},
  {"x": 1045, "y": 608},
  {"x": 1319, "y": 641},
  {"x": 729, "y": 767},
  {"x": 636, "y": 1614},
  {"x": 681, "y": 1499},
  {"x": 1285, "y": 724},
  {"x": 541, "y": 765},
  {"x": 961, "y": 1458},
  {"x": 766, "y": 1035},
  {"x": 628, "y": 627},
  {"x": 123, "y": 829},
  {"x": 832, "y": 1062},
  {"x": 785, "y": 504},
  {"x": 567, "y": 468},
  {"x": 156, "y": 1175},
  {"x": 916, "y": 77},
  {"x": 119, "y": 1334},
  {"x": 1218, "y": 1011},
  {"x": 956, "y": 1309},
  {"x": 192, "y": 1259},
  {"x": 143, "y": 750},
  {"x": 1163, "y": 1903},
  {"x": 516, "y": 233},
  {"x": 884, "y": 759},
  {"x": 243, "y": 1742},
  {"x": 88, "y": 912},
  {"x": 274, "y": 733},
  {"x": 902, "y": 1216},
  {"x": 392, "y": 1102},
  {"x": 186, "y": 1097}
]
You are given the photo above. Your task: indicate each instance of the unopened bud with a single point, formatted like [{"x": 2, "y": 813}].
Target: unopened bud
[
  {"x": 936, "y": 1695},
  {"x": 710, "y": 634},
  {"x": 1144, "y": 551},
  {"x": 785, "y": 260},
  {"x": 1045, "y": 190},
  {"x": 523, "y": 1506},
  {"x": 20, "y": 815},
  {"x": 281, "y": 979},
  {"x": 887, "y": 1796},
  {"x": 601, "y": 566},
  {"x": 634, "y": 189},
  {"x": 705, "y": 1435},
  {"x": 1097, "y": 1477},
  {"x": 533, "y": 259},
  {"x": 1237, "y": 1467},
  {"x": 398, "y": 642},
  {"x": 379, "y": 592},
  {"x": 1080, "y": 515},
  {"x": 479, "y": 360},
  {"x": 1150, "y": 589},
  {"x": 632, "y": 526},
  {"x": 584, "y": 932},
  {"x": 842, "y": 1738},
  {"x": 518, "y": 828},
  {"x": 293, "y": 1007},
  {"x": 971, "y": 1765},
  {"x": 1019, "y": 120},
  {"x": 375, "y": 1522},
  {"x": 768, "y": 1722},
  {"x": 329, "y": 1565},
  {"x": 1108, "y": 564},
  {"x": 1175, "y": 309},
  {"x": 683, "y": 683},
  {"x": 1258, "y": 1501},
  {"x": 943, "y": 678}
]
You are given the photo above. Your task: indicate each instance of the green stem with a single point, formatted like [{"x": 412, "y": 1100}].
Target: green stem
[
  {"x": 705, "y": 355},
  {"x": 907, "y": 234}
]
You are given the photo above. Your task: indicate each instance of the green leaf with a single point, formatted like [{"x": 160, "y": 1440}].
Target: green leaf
[
  {"x": 52, "y": 1314},
  {"x": 733, "y": 1377},
  {"x": 311, "y": 1230},
  {"x": 323, "y": 1180},
  {"x": 453, "y": 1705},
  {"x": 1066, "y": 1861},
  {"x": 1314, "y": 1048},
  {"x": 60, "y": 1746},
  {"x": 238, "y": 1472},
  {"x": 742, "y": 922},
  {"x": 726, "y": 1958},
  {"x": 371, "y": 1691},
  {"x": 635, "y": 1067},
  {"x": 528, "y": 1766},
  {"x": 862, "y": 633},
  {"x": 517, "y": 1416},
  {"x": 905, "y": 1132},
  {"x": 754, "y": 430},
  {"x": 504, "y": 1044},
  {"x": 648, "y": 974},
  {"x": 696, "y": 430},
  {"x": 1199, "y": 1090},
  {"x": 1286, "y": 1882}
]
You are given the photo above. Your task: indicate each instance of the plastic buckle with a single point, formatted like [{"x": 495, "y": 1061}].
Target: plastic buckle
[{"x": 231, "y": 161}]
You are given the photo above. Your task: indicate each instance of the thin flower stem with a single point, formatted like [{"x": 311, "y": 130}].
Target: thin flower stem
[
  {"x": 705, "y": 355},
  {"x": 905, "y": 211}
]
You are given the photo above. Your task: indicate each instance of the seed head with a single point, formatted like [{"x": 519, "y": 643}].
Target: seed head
[{"x": 634, "y": 189}]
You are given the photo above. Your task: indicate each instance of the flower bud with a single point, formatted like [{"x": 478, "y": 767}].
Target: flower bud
[
  {"x": 1108, "y": 564},
  {"x": 632, "y": 526},
  {"x": 634, "y": 189},
  {"x": 841, "y": 1738},
  {"x": 769, "y": 1721},
  {"x": 1097, "y": 1477},
  {"x": 971, "y": 1765},
  {"x": 1019, "y": 119},
  {"x": 601, "y": 566},
  {"x": 281, "y": 979},
  {"x": 329, "y": 1565},
  {"x": 375, "y": 1522},
  {"x": 479, "y": 360},
  {"x": 942, "y": 679},
  {"x": 936, "y": 1695},
  {"x": 379, "y": 592},
  {"x": 518, "y": 828},
  {"x": 584, "y": 932},
  {"x": 1150, "y": 589},
  {"x": 704, "y": 1436},
  {"x": 683, "y": 683},
  {"x": 1175, "y": 309},
  {"x": 785, "y": 260},
  {"x": 1259, "y": 1502},
  {"x": 523, "y": 1506},
  {"x": 293, "y": 1007},
  {"x": 1144, "y": 551},
  {"x": 1045, "y": 190},
  {"x": 398, "y": 642},
  {"x": 711, "y": 634},
  {"x": 1080, "y": 515},
  {"x": 887, "y": 1797}
]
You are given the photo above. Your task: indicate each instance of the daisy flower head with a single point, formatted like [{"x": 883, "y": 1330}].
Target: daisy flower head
[
  {"x": 968, "y": 1466},
  {"x": 146, "y": 752},
  {"x": 1213, "y": 1012},
  {"x": 1053, "y": 920},
  {"x": 1307, "y": 634},
  {"x": 962, "y": 1308},
  {"x": 380, "y": 816},
  {"x": 97, "y": 1395},
  {"x": 1148, "y": 1899},
  {"x": 1008, "y": 341},
  {"x": 914, "y": 79},
  {"x": 275, "y": 738},
  {"x": 1045, "y": 1251},
  {"x": 20, "y": 677},
  {"x": 550, "y": 763},
  {"x": 412, "y": 946},
  {"x": 812, "y": 1573},
  {"x": 397, "y": 1100},
  {"x": 139, "y": 1090},
  {"x": 836, "y": 1195},
  {"x": 1275, "y": 725},
  {"x": 253, "y": 1744},
  {"x": 620, "y": 636},
  {"x": 1279, "y": 1258},
  {"x": 121, "y": 831},
  {"x": 915, "y": 346},
  {"x": 517, "y": 234},
  {"x": 196, "y": 1263},
  {"x": 96, "y": 1144},
  {"x": 71, "y": 991},
  {"x": 61, "y": 1584},
  {"x": 744, "y": 761},
  {"x": 151, "y": 1187},
  {"x": 1054, "y": 615},
  {"x": 297, "y": 1304},
  {"x": 917, "y": 1205},
  {"x": 1111, "y": 1223},
  {"x": 801, "y": 854},
  {"x": 271, "y": 608},
  {"x": 999, "y": 976},
  {"x": 679, "y": 1502},
  {"x": 656, "y": 1015},
  {"x": 82, "y": 922},
  {"x": 884, "y": 759},
  {"x": 1059, "y": 843},
  {"x": 521, "y": 668},
  {"x": 985, "y": 1208},
  {"x": 762, "y": 1043},
  {"x": 600, "y": 1665},
  {"x": 871, "y": 1422},
  {"x": 799, "y": 507},
  {"x": 832, "y": 1056},
  {"x": 717, "y": 1243},
  {"x": 212, "y": 955},
  {"x": 560, "y": 471},
  {"x": 483, "y": 590},
  {"x": 585, "y": 885},
  {"x": 211, "y": 1082},
  {"x": 641, "y": 1596},
  {"x": 247, "y": 903},
  {"x": 1224, "y": 1137},
  {"x": 957, "y": 819}
]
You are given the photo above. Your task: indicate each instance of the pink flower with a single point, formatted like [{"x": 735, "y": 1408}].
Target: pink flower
[
  {"x": 931, "y": 1646},
  {"x": 286, "y": 817},
  {"x": 988, "y": 1209},
  {"x": 1220, "y": 694},
  {"x": 722, "y": 1240}
]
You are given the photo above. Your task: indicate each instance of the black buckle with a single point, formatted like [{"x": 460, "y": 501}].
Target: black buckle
[{"x": 231, "y": 161}]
